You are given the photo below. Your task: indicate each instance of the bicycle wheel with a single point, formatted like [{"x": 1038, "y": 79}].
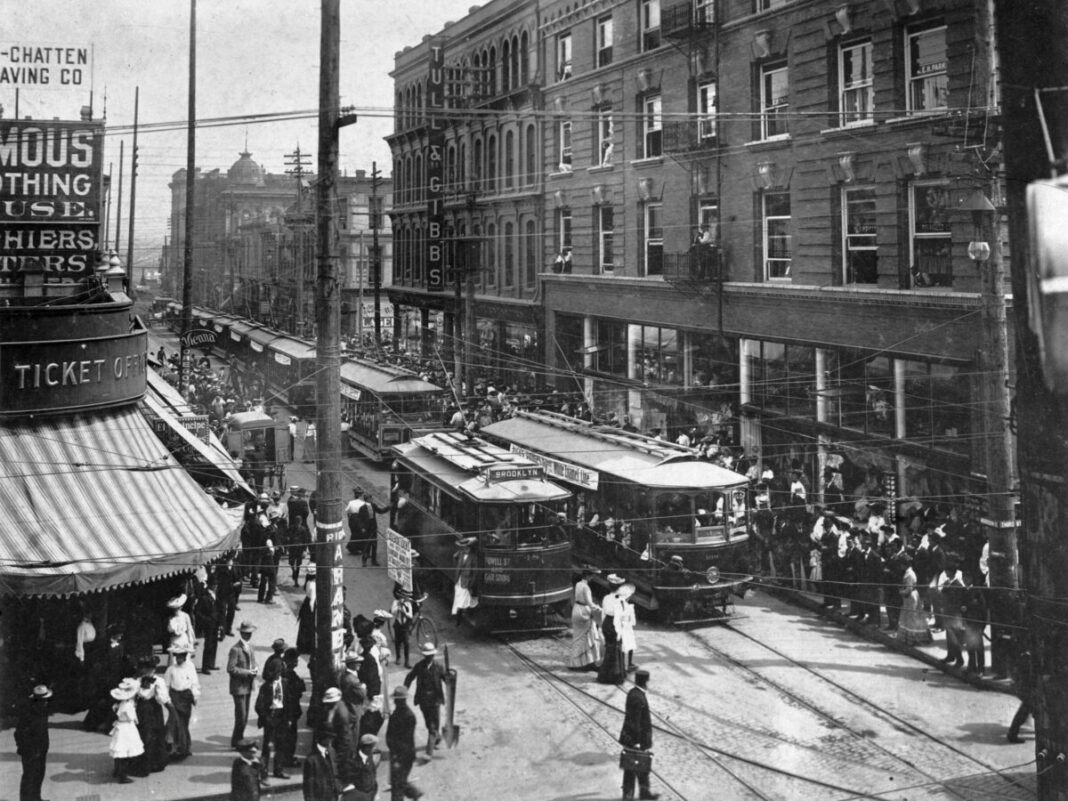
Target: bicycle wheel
[{"x": 425, "y": 631}]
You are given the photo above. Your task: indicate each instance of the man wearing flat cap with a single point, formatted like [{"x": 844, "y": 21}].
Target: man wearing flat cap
[
  {"x": 241, "y": 665},
  {"x": 364, "y": 785},
  {"x": 245, "y": 773},
  {"x": 400, "y": 739},
  {"x": 637, "y": 735},
  {"x": 278, "y": 647}
]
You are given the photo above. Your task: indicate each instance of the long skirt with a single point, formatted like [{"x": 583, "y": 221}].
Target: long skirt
[
  {"x": 587, "y": 642},
  {"x": 153, "y": 730},
  {"x": 462, "y": 598},
  {"x": 613, "y": 667},
  {"x": 182, "y": 703},
  {"x": 912, "y": 626}
]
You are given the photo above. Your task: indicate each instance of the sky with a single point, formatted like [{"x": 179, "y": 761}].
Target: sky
[{"x": 253, "y": 57}]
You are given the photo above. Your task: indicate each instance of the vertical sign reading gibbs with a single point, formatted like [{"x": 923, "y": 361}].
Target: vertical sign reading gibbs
[{"x": 435, "y": 103}]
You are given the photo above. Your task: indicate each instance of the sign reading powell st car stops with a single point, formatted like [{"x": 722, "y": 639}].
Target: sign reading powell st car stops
[{"x": 64, "y": 375}]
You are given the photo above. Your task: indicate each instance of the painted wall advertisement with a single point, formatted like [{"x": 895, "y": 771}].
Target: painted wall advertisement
[{"x": 51, "y": 179}]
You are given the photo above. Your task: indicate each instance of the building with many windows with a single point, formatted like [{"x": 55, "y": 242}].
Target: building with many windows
[{"x": 770, "y": 210}]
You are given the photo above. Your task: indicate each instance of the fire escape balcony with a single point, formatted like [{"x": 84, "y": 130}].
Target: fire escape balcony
[
  {"x": 699, "y": 266},
  {"x": 689, "y": 136},
  {"x": 687, "y": 20}
]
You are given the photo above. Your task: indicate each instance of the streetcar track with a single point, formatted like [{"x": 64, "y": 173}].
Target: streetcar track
[
  {"x": 895, "y": 721},
  {"x": 664, "y": 725}
]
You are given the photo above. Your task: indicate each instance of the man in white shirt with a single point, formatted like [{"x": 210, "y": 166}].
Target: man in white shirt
[
  {"x": 184, "y": 688},
  {"x": 356, "y": 527}
]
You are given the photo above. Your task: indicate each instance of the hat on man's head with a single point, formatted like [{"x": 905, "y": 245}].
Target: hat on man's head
[
  {"x": 641, "y": 674},
  {"x": 178, "y": 601},
  {"x": 275, "y": 495},
  {"x": 368, "y": 739},
  {"x": 351, "y": 657},
  {"x": 612, "y": 578},
  {"x": 41, "y": 692},
  {"x": 400, "y": 692},
  {"x": 332, "y": 696},
  {"x": 676, "y": 559},
  {"x": 428, "y": 649},
  {"x": 247, "y": 744},
  {"x": 264, "y": 497},
  {"x": 247, "y": 625},
  {"x": 279, "y": 645},
  {"x": 466, "y": 542}
]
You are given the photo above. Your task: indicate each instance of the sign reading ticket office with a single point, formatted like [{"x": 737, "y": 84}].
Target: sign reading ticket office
[{"x": 65, "y": 375}]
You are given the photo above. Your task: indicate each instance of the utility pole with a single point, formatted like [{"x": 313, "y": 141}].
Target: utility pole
[
  {"x": 375, "y": 218},
  {"x": 329, "y": 531},
  {"x": 133, "y": 194},
  {"x": 190, "y": 189},
  {"x": 1034, "y": 67},
  {"x": 118, "y": 205},
  {"x": 296, "y": 162}
]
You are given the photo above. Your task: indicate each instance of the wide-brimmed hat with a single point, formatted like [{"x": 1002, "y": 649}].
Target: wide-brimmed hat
[
  {"x": 178, "y": 601},
  {"x": 428, "y": 649},
  {"x": 368, "y": 739},
  {"x": 332, "y": 696},
  {"x": 126, "y": 690},
  {"x": 264, "y": 496},
  {"x": 591, "y": 570},
  {"x": 247, "y": 625},
  {"x": 677, "y": 559},
  {"x": 466, "y": 542},
  {"x": 612, "y": 578},
  {"x": 41, "y": 692},
  {"x": 381, "y": 615},
  {"x": 176, "y": 650},
  {"x": 626, "y": 590}
]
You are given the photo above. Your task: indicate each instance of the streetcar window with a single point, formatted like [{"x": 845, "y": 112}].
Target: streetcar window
[
  {"x": 499, "y": 526},
  {"x": 716, "y": 513},
  {"x": 674, "y": 517}
]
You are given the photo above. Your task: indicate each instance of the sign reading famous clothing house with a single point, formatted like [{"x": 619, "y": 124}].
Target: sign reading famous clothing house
[{"x": 50, "y": 199}]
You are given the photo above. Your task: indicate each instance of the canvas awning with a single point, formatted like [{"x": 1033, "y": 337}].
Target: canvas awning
[{"x": 95, "y": 501}]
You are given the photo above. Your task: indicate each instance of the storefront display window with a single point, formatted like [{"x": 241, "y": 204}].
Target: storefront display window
[
  {"x": 657, "y": 357},
  {"x": 782, "y": 378},
  {"x": 936, "y": 405},
  {"x": 612, "y": 348}
]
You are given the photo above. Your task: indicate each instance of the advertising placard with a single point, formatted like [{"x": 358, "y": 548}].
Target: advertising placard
[
  {"x": 399, "y": 558},
  {"x": 37, "y": 65}
]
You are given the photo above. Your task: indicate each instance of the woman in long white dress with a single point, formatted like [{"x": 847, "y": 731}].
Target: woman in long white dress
[
  {"x": 464, "y": 591},
  {"x": 587, "y": 641},
  {"x": 625, "y": 620},
  {"x": 125, "y": 744}
]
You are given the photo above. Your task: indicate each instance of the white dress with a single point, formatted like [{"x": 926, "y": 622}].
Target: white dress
[
  {"x": 625, "y": 620},
  {"x": 125, "y": 740},
  {"x": 180, "y": 627}
]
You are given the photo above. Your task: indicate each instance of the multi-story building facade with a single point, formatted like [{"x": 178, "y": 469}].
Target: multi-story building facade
[
  {"x": 255, "y": 248},
  {"x": 837, "y": 157},
  {"x": 467, "y": 162}
]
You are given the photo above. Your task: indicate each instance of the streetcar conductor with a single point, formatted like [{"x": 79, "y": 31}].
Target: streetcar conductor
[{"x": 637, "y": 736}]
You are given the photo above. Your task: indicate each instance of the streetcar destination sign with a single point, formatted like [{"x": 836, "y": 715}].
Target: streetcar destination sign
[
  {"x": 555, "y": 468},
  {"x": 499, "y": 473}
]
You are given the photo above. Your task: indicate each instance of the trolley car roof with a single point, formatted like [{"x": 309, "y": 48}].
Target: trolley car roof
[
  {"x": 605, "y": 453},
  {"x": 383, "y": 381},
  {"x": 293, "y": 347}
]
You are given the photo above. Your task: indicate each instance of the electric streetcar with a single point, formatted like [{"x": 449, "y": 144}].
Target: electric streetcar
[
  {"x": 461, "y": 491},
  {"x": 674, "y": 525}
]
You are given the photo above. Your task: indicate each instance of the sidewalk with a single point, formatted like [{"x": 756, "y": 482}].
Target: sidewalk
[
  {"x": 930, "y": 654},
  {"x": 79, "y": 768}
]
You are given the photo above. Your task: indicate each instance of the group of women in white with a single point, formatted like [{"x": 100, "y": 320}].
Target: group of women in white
[{"x": 602, "y": 636}]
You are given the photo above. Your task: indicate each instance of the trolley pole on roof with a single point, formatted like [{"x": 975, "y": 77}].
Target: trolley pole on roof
[{"x": 329, "y": 531}]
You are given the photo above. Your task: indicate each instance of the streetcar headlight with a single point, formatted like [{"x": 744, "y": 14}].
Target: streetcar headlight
[{"x": 712, "y": 574}]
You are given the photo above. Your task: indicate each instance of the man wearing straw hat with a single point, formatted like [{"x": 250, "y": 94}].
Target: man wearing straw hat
[
  {"x": 31, "y": 743},
  {"x": 241, "y": 665},
  {"x": 429, "y": 678}
]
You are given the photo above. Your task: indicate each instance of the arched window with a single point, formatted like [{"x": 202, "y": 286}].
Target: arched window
[
  {"x": 490, "y": 259},
  {"x": 450, "y": 167},
  {"x": 514, "y": 61},
  {"x": 509, "y": 254},
  {"x": 418, "y": 184},
  {"x": 476, "y": 74},
  {"x": 476, "y": 166},
  {"x": 506, "y": 65},
  {"x": 524, "y": 72},
  {"x": 491, "y": 163},
  {"x": 531, "y": 155},
  {"x": 462, "y": 173},
  {"x": 530, "y": 248},
  {"x": 509, "y": 159},
  {"x": 492, "y": 67}
]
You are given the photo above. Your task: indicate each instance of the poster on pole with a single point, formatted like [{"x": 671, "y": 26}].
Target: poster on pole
[{"x": 399, "y": 558}]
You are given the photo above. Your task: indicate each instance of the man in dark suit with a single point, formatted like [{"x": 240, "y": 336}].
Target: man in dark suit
[
  {"x": 241, "y": 665},
  {"x": 364, "y": 785},
  {"x": 206, "y": 615},
  {"x": 31, "y": 743},
  {"x": 429, "y": 678},
  {"x": 637, "y": 735},
  {"x": 245, "y": 774},
  {"x": 227, "y": 591},
  {"x": 400, "y": 739},
  {"x": 320, "y": 780},
  {"x": 294, "y": 689}
]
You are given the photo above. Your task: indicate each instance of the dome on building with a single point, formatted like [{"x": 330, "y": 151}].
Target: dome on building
[{"x": 245, "y": 171}]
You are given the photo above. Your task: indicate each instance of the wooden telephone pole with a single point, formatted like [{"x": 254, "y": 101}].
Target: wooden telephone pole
[{"x": 1034, "y": 80}]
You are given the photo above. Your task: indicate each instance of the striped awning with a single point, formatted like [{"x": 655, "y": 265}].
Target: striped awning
[{"x": 94, "y": 501}]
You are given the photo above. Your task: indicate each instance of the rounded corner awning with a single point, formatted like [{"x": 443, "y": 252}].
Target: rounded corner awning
[{"x": 94, "y": 501}]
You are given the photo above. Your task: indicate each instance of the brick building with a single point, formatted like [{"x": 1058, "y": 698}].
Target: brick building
[{"x": 838, "y": 156}]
